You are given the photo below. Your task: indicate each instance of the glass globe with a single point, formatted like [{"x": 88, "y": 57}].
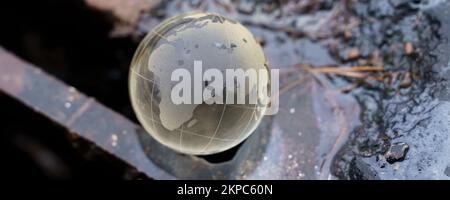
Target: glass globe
[{"x": 197, "y": 128}]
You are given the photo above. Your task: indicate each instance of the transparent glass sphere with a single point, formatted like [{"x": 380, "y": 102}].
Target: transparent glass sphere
[{"x": 202, "y": 128}]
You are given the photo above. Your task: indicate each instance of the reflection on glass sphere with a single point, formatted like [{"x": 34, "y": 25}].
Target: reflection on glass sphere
[{"x": 199, "y": 129}]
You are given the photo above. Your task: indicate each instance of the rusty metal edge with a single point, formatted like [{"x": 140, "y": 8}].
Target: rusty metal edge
[{"x": 78, "y": 113}]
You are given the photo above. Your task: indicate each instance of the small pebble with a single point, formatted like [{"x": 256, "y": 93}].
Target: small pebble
[
  {"x": 409, "y": 48},
  {"x": 397, "y": 152},
  {"x": 447, "y": 171},
  {"x": 352, "y": 53}
]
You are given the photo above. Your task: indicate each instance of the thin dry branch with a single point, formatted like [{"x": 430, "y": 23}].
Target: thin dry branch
[{"x": 359, "y": 72}]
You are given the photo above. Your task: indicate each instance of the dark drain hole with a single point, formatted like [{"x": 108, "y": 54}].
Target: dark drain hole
[{"x": 222, "y": 156}]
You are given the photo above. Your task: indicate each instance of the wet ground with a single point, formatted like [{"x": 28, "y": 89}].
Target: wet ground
[
  {"x": 406, "y": 122},
  {"x": 390, "y": 124},
  {"x": 402, "y": 130}
]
